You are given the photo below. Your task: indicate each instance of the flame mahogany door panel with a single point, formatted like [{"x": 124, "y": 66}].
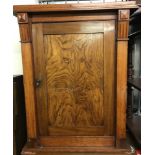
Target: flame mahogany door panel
[{"x": 75, "y": 82}]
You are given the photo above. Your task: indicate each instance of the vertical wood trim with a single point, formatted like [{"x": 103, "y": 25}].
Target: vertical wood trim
[
  {"x": 27, "y": 60},
  {"x": 121, "y": 92},
  {"x": 40, "y": 74},
  {"x": 109, "y": 76},
  {"x": 121, "y": 88},
  {"x": 29, "y": 90},
  {"x": 24, "y": 32}
]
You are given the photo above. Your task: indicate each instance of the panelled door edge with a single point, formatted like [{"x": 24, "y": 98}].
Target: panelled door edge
[{"x": 75, "y": 81}]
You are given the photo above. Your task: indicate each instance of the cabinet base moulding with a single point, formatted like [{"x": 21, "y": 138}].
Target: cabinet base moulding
[{"x": 40, "y": 150}]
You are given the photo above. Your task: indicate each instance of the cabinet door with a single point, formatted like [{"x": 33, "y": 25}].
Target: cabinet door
[{"x": 75, "y": 82}]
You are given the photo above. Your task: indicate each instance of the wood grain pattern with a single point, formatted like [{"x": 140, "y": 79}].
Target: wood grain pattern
[
  {"x": 121, "y": 94},
  {"x": 29, "y": 90},
  {"x": 75, "y": 83},
  {"x": 73, "y": 131},
  {"x": 41, "y": 152},
  {"x": 72, "y": 17},
  {"x": 78, "y": 141},
  {"x": 74, "y": 69},
  {"x": 76, "y": 151},
  {"x": 22, "y": 17},
  {"x": 25, "y": 35},
  {"x": 109, "y": 77},
  {"x": 124, "y": 14},
  {"x": 123, "y": 28},
  {"x": 121, "y": 89},
  {"x": 41, "y": 95},
  {"x": 74, "y": 7},
  {"x": 111, "y": 150},
  {"x": 74, "y": 27},
  {"x": 76, "y": 92}
]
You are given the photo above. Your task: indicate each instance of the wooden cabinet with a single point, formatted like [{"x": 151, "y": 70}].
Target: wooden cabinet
[{"x": 75, "y": 76}]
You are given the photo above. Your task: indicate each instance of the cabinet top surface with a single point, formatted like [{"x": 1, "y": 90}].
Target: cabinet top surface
[{"x": 73, "y": 7}]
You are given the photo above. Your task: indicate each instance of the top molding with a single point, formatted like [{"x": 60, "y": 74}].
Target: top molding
[{"x": 73, "y": 7}]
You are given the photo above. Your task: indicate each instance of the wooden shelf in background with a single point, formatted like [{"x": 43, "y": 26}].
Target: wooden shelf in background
[
  {"x": 136, "y": 83},
  {"x": 134, "y": 125},
  {"x": 134, "y": 34},
  {"x": 136, "y": 13}
]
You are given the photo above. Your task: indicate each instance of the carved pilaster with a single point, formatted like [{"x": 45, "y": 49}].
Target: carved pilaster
[
  {"x": 123, "y": 24},
  {"x": 122, "y": 54},
  {"x": 22, "y": 18},
  {"x": 24, "y": 27},
  {"x": 123, "y": 15},
  {"x": 27, "y": 59}
]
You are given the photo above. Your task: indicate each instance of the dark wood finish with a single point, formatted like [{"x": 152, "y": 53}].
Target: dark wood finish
[
  {"x": 19, "y": 115},
  {"x": 130, "y": 63},
  {"x": 134, "y": 125},
  {"x": 135, "y": 24},
  {"x": 130, "y": 77},
  {"x": 134, "y": 34},
  {"x": 136, "y": 82},
  {"x": 135, "y": 14},
  {"x": 74, "y": 77},
  {"x": 74, "y": 7},
  {"x": 129, "y": 102}
]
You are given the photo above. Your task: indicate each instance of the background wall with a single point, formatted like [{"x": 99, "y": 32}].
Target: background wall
[{"x": 17, "y": 60}]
